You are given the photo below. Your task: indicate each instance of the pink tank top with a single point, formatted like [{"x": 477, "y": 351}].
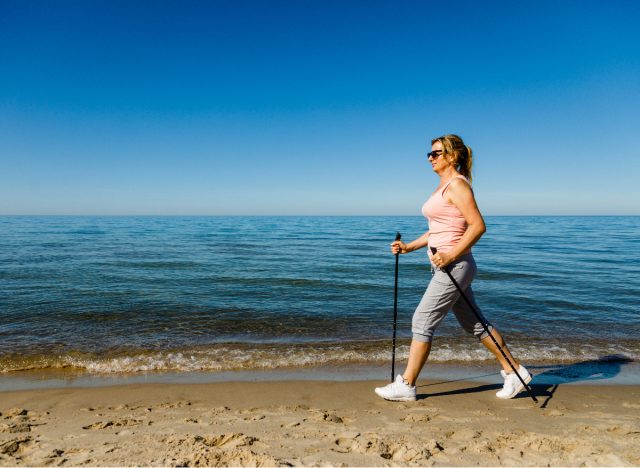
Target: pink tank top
[{"x": 446, "y": 223}]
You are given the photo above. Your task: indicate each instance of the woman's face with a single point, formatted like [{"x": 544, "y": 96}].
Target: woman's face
[{"x": 436, "y": 158}]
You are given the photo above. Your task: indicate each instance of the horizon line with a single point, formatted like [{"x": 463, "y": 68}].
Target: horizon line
[{"x": 295, "y": 215}]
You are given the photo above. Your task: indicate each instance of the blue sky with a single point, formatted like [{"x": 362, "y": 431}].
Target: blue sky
[{"x": 316, "y": 107}]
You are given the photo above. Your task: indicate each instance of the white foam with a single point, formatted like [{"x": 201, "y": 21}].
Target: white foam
[
  {"x": 229, "y": 357},
  {"x": 224, "y": 358}
]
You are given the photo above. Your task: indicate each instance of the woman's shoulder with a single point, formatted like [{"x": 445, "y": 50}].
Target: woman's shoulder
[
  {"x": 459, "y": 181},
  {"x": 459, "y": 188}
]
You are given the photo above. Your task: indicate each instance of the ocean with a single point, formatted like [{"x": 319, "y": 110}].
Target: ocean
[{"x": 127, "y": 295}]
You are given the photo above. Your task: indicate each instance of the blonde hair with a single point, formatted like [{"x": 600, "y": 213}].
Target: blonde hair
[{"x": 457, "y": 153}]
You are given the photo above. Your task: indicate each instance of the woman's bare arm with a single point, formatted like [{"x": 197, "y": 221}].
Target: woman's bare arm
[{"x": 401, "y": 247}]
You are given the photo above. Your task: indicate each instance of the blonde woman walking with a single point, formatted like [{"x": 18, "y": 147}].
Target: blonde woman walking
[{"x": 455, "y": 225}]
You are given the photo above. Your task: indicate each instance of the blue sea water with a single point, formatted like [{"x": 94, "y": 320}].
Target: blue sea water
[{"x": 107, "y": 295}]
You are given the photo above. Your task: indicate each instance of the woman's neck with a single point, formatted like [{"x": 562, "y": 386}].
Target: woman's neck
[{"x": 447, "y": 174}]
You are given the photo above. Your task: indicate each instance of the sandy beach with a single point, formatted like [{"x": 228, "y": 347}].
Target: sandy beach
[{"x": 318, "y": 423}]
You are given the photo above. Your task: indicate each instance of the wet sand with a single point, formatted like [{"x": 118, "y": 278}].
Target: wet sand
[{"x": 318, "y": 423}]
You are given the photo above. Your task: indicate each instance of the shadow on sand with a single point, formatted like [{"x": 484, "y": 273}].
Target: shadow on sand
[{"x": 545, "y": 383}]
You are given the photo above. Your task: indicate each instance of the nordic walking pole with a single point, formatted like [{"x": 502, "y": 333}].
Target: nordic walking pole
[
  {"x": 484, "y": 325},
  {"x": 395, "y": 315}
]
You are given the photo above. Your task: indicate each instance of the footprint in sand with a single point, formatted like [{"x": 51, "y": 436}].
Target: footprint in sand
[
  {"x": 117, "y": 408},
  {"x": 416, "y": 418},
  {"x": 15, "y": 446},
  {"x": 623, "y": 430},
  {"x": 463, "y": 434},
  {"x": 223, "y": 441},
  {"x": 293, "y": 424},
  {"x": 55, "y": 453},
  {"x": 406, "y": 454},
  {"x": 58, "y": 457},
  {"x": 397, "y": 451},
  {"x": 117, "y": 423},
  {"x": 238, "y": 457},
  {"x": 218, "y": 411},
  {"x": 247, "y": 411},
  {"x": 55, "y": 458},
  {"x": 175, "y": 404},
  {"x": 256, "y": 417},
  {"x": 320, "y": 415},
  {"x": 15, "y": 427},
  {"x": 290, "y": 409},
  {"x": 352, "y": 442},
  {"x": 227, "y": 441},
  {"x": 347, "y": 442},
  {"x": 14, "y": 413},
  {"x": 19, "y": 420}
]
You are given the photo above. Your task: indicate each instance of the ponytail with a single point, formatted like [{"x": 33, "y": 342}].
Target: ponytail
[{"x": 465, "y": 161}]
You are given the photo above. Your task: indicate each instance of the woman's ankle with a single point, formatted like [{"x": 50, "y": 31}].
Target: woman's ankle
[
  {"x": 509, "y": 370},
  {"x": 409, "y": 381}
]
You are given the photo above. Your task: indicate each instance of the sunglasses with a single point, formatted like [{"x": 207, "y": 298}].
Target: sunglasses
[{"x": 434, "y": 154}]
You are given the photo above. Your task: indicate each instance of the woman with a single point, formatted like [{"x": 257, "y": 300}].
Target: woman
[{"x": 455, "y": 225}]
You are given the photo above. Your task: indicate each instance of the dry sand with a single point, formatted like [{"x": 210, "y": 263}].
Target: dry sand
[{"x": 318, "y": 424}]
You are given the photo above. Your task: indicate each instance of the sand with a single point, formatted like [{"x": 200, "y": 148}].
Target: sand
[{"x": 318, "y": 423}]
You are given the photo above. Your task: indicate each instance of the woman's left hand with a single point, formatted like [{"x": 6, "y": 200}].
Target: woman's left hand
[{"x": 441, "y": 259}]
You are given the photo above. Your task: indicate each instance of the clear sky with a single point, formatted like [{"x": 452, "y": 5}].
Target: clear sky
[{"x": 316, "y": 107}]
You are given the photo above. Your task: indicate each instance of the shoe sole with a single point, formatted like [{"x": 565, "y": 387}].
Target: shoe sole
[
  {"x": 518, "y": 389},
  {"x": 397, "y": 399}
]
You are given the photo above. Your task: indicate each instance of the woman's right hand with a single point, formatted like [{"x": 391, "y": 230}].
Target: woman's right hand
[{"x": 399, "y": 247}]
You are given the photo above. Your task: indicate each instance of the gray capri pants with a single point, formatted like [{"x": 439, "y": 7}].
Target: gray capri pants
[{"x": 442, "y": 296}]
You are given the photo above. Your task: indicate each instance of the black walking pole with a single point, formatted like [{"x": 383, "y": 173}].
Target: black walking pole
[
  {"x": 484, "y": 325},
  {"x": 395, "y": 315}
]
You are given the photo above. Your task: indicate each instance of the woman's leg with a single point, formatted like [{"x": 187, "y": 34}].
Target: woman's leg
[
  {"x": 439, "y": 298},
  {"x": 472, "y": 320},
  {"x": 471, "y": 324},
  {"x": 433, "y": 307},
  {"x": 418, "y": 354},
  {"x": 491, "y": 346}
]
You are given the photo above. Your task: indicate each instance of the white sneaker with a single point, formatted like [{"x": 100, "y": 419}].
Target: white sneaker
[
  {"x": 397, "y": 391},
  {"x": 512, "y": 385}
]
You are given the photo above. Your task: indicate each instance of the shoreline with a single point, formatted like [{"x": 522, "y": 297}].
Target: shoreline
[
  {"x": 598, "y": 373},
  {"x": 318, "y": 423}
]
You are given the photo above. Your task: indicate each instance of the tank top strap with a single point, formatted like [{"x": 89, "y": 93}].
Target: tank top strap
[{"x": 446, "y": 186}]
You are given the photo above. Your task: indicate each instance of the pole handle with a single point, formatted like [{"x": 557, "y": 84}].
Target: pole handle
[{"x": 398, "y": 236}]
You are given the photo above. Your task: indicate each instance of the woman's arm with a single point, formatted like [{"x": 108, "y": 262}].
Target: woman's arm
[
  {"x": 461, "y": 195},
  {"x": 401, "y": 247}
]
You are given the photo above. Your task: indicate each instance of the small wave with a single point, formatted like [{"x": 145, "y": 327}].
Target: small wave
[{"x": 229, "y": 357}]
